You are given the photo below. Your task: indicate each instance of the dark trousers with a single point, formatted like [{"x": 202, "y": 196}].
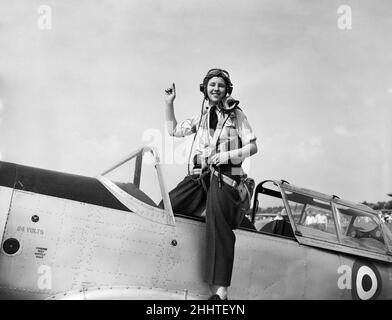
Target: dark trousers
[
  {"x": 222, "y": 207},
  {"x": 221, "y": 215},
  {"x": 189, "y": 197}
]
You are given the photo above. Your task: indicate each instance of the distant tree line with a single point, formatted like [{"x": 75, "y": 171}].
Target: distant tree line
[
  {"x": 380, "y": 205},
  {"x": 270, "y": 209}
]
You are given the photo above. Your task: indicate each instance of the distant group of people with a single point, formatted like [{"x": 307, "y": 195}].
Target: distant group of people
[
  {"x": 224, "y": 139},
  {"x": 387, "y": 218},
  {"x": 316, "y": 219}
]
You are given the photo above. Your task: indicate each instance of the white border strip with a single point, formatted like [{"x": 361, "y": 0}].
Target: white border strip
[{"x": 5, "y": 203}]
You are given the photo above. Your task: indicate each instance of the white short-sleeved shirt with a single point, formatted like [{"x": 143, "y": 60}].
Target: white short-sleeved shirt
[
  {"x": 235, "y": 133},
  {"x": 190, "y": 126},
  {"x": 186, "y": 127}
]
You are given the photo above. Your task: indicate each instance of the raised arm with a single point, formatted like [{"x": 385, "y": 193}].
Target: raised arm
[{"x": 171, "y": 121}]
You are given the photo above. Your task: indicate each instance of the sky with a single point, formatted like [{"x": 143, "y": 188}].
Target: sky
[{"x": 81, "y": 95}]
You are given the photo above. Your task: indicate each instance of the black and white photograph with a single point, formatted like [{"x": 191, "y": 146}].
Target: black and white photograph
[{"x": 196, "y": 150}]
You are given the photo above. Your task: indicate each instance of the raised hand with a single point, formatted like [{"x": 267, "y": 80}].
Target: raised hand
[{"x": 170, "y": 94}]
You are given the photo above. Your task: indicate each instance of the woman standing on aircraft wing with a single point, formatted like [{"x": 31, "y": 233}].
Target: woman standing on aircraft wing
[{"x": 226, "y": 139}]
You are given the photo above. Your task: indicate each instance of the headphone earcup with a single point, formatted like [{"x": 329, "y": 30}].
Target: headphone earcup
[
  {"x": 203, "y": 89},
  {"x": 230, "y": 90}
]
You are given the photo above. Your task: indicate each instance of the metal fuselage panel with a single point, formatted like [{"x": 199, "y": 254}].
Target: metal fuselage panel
[
  {"x": 76, "y": 246},
  {"x": 269, "y": 267}
]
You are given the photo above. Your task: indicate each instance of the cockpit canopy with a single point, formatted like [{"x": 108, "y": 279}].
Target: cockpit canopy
[{"x": 326, "y": 221}]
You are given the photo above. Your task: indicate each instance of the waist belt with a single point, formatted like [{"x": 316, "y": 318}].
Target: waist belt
[
  {"x": 231, "y": 182},
  {"x": 225, "y": 179},
  {"x": 195, "y": 171}
]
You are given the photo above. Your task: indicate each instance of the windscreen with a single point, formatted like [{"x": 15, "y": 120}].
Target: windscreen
[
  {"x": 138, "y": 177},
  {"x": 360, "y": 229},
  {"x": 313, "y": 217},
  {"x": 270, "y": 207}
]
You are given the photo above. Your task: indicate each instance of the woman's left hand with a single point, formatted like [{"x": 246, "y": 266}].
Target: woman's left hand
[{"x": 220, "y": 158}]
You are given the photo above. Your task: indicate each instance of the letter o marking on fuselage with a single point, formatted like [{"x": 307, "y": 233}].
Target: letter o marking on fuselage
[{"x": 362, "y": 293}]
